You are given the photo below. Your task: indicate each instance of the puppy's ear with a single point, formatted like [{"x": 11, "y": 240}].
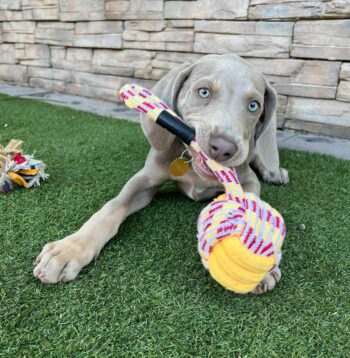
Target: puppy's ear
[
  {"x": 167, "y": 89},
  {"x": 268, "y": 117}
]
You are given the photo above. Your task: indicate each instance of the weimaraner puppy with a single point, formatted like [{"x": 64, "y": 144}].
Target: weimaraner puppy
[{"x": 232, "y": 108}]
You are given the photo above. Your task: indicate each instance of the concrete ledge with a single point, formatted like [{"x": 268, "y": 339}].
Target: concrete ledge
[{"x": 287, "y": 139}]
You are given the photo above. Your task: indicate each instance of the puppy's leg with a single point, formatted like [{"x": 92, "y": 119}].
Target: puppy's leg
[
  {"x": 275, "y": 176},
  {"x": 62, "y": 260},
  {"x": 248, "y": 179},
  {"x": 271, "y": 279}
]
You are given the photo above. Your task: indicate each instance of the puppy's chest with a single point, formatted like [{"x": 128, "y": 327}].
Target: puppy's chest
[{"x": 196, "y": 188}]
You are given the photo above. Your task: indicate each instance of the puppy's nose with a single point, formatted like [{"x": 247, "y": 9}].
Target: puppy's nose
[{"x": 221, "y": 149}]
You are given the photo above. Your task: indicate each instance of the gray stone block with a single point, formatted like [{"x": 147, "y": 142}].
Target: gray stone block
[
  {"x": 298, "y": 9},
  {"x": 345, "y": 72},
  {"x": 80, "y": 10},
  {"x": 134, "y": 9},
  {"x": 36, "y": 55},
  {"x": 255, "y": 28},
  {"x": 328, "y": 39},
  {"x": 13, "y": 73},
  {"x": 244, "y": 45},
  {"x": 327, "y": 112},
  {"x": 55, "y": 33},
  {"x": 99, "y": 27},
  {"x": 206, "y": 9},
  {"x": 301, "y": 78},
  {"x": 98, "y": 41},
  {"x": 343, "y": 93},
  {"x": 145, "y": 25},
  {"x": 7, "y": 54}
]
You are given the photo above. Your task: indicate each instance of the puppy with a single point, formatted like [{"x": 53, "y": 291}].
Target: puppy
[{"x": 232, "y": 108}]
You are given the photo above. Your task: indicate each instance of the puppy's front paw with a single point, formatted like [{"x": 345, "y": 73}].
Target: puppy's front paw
[
  {"x": 278, "y": 177},
  {"x": 269, "y": 282},
  {"x": 62, "y": 260}
]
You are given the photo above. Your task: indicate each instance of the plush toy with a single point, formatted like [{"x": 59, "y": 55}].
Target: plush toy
[
  {"x": 19, "y": 169},
  {"x": 239, "y": 235}
]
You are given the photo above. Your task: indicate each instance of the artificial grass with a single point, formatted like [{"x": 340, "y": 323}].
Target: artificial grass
[{"x": 148, "y": 294}]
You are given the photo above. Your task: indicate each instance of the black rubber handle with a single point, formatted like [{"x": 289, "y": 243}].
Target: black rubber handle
[{"x": 176, "y": 126}]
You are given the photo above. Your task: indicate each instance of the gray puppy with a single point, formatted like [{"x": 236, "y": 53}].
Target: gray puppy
[{"x": 233, "y": 110}]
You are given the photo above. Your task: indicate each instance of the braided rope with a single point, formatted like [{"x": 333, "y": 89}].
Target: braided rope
[{"x": 239, "y": 235}]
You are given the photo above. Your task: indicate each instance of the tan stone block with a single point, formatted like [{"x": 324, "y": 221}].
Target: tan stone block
[
  {"x": 13, "y": 73},
  {"x": 10, "y": 5},
  {"x": 343, "y": 93},
  {"x": 79, "y": 10},
  {"x": 255, "y": 28},
  {"x": 36, "y": 55},
  {"x": 318, "y": 128},
  {"x": 79, "y": 54},
  {"x": 54, "y": 36},
  {"x": 73, "y": 65},
  {"x": 144, "y": 45},
  {"x": 52, "y": 85},
  {"x": 92, "y": 92},
  {"x": 7, "y": 54},
  {"x": 176, "y": 57},
  {"x": 145, "y": 25},
  {"x": 244, "y": 45},
  {"x": 179, "y": 46},
  {"x": 103, "y": 81},
  {"x": 58, "y": 52},
  {"x": 329, "y": 39},
  {"x": 206, "y": 9},
  {"x": 133, "y": 35},
  {"x": 24, "y": 27},
  {"x": 45, "y": 14},
  {"x": 18, "y": 37},
  {"x": 300, "y": 77},
  {"x": 56, "y": 25},
  {"x": 104, "y": 40},
  {"x": 281, "y": 111},
  {"x": 134, "y": 9},
  {"x": 40, "y": 9},
  {"x": 180, "y": 23},
  {"x": 330, "y": 53},
  {"x": 21, "y": 31},
  {"x": 287, "y": 9},
  {"x": 49, "y": 73},
  {"x": 99, "y": 27},
  {"x": 172, "y": 35},
  {"x": 168, "y": 60},
  {"x": 345, "y": 72},
  {"x": 132, "y": 59},
  {"x": 319, "y": 111},
  {"x": 301, "y": 90},
  {"x": 143, "y": 73},
  {"x": 158, "y": 73},
  {"x": 8, "y": 15}
]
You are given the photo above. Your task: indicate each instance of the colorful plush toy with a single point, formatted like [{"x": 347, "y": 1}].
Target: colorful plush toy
[
  {"x": 19, "y": 169},
  {"x": 239, "y": 235}
]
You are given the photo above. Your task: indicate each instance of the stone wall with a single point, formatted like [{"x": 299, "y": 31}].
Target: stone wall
[{"x": 91, "y": 47}]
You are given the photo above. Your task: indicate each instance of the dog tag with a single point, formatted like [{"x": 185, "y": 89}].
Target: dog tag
[{"x": 179, "y": 167}]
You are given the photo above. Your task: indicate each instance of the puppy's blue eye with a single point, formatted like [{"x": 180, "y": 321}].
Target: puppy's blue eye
[
  {"x": 253, "y": 106},
  {"x": 204, "y": 92}
]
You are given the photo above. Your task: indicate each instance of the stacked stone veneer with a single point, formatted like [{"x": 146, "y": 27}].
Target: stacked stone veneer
[{"x": 91, "y": 47}]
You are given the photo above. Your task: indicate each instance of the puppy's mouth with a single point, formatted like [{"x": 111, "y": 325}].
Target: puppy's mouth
[{"x": 202, "y": 167}]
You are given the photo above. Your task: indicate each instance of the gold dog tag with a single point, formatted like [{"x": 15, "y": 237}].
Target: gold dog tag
[{"x": 179, "y": 167}]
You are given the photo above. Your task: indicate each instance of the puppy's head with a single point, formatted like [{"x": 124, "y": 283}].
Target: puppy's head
[{"x": 226, "y": 101}]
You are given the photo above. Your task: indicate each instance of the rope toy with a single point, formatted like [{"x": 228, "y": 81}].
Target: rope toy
[
  {"x": 239, "y": 235},
  {"x": 19, "y": 169}
]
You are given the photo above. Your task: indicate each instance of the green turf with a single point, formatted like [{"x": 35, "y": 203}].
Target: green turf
[{"x": 148, "y": 294}]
